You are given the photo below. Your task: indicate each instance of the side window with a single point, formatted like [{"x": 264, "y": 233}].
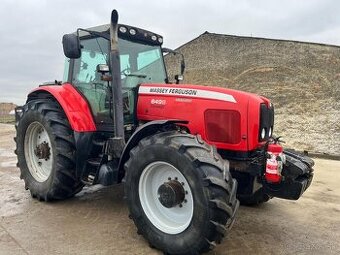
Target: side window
[
  {"x": 124, "y": 65},
  {"x": 88, "y": 81},
  {"x": 66, "y": 69},
  {"x": 88, "y": 66},
  {"x": 94, "y": 52}
]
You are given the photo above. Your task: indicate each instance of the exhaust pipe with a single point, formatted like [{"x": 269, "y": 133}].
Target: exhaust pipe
[
  {"x": 118, "y": 142},
  {"x": 116, "y": 78}
]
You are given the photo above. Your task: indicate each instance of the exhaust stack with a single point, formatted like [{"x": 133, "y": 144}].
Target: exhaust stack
[{"x": 116, "y": 80}]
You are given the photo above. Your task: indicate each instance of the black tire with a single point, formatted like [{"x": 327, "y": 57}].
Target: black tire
[
  {"x": 213, "y": 189},
  {"x": 62, "y": 182},
  {"x": 259, "y": 197}
]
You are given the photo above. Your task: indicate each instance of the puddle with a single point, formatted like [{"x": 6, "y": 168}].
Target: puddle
[{"x": 12, "y": 204}]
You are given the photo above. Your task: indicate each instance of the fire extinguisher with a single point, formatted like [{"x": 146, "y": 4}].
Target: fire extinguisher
[{"x": 274, "y": 164}]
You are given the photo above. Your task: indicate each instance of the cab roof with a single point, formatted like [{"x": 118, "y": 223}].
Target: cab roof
[{"x": 127, "y": 32}]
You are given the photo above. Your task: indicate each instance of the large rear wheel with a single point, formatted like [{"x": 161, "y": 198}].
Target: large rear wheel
[
  {"x": 46, "y": 152},
  {"x": 180, "y": 193}
]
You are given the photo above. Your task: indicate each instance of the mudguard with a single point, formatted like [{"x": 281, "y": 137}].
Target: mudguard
[
  {"x": 143, "y": 131},
  {"x": 73, "y": 103}
]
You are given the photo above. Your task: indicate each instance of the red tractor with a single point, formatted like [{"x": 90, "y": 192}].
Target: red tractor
[{"x": 180, "y": 149}]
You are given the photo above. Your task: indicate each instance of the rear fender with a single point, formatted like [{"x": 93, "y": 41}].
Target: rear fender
[{"x": 75, "y": 106}]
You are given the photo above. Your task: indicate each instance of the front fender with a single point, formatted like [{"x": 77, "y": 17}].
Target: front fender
[
  {"x": 75, "y": 106},
  {"x": 143, "y": 131}
]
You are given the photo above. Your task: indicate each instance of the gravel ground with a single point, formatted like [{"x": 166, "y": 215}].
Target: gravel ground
[{"x": 96, "y": 220}]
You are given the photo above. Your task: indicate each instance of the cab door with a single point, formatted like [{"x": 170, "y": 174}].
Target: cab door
[{"x": 88, "y": 81}]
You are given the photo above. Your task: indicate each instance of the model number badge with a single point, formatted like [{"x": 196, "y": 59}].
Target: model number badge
[{"x": 158, "y": 102}]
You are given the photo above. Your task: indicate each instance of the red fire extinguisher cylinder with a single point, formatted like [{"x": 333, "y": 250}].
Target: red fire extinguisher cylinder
[{"x": 274, "y": 163}]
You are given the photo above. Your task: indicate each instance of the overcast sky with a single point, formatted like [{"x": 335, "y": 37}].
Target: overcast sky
[{"x": 31, "y": 30}]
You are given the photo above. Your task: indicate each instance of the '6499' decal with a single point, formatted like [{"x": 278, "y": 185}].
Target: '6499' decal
[{"x": 158, "y": 102}]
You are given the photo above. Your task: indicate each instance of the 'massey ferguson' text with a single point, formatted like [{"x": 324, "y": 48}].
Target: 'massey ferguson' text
[{"x": 173, "y": 91}]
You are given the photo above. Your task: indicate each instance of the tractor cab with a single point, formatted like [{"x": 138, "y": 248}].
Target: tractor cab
[{"x": 141, "y": 61}]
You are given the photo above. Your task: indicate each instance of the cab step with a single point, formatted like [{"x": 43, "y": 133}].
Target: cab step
[{"x": 94, "y": 162}]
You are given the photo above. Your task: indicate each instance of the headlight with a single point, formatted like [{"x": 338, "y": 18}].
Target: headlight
[
  {"x": 263, "y": 133},
  {"x": 160, "y": 39},
  {"x": 154, "y": 38},
  {"x": 266, "y": 122},
  {"x": 132, "y": 31},
  {"x": 123, "y": 29}
]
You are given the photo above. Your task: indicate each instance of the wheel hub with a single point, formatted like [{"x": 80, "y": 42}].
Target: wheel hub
[
  {"x": 166, "y": 197},
  {"x": 42, "y": 151},
  {"x": 38, "y": 151},
  {"x": 171, "y": 194}
]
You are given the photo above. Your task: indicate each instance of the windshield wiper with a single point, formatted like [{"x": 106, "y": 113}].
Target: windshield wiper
[{"x": 103, "y": 34}]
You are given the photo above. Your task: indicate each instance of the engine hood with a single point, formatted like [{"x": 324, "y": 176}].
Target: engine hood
[
  {"x": 228, "y": 118},
  {"x": 200, "y": 91}
]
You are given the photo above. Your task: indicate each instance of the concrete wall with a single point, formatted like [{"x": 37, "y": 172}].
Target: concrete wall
[{"x": 301, "y": 79}]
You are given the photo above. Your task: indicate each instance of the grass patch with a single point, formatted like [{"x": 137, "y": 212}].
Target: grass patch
[{"x": 7, "y": 119}]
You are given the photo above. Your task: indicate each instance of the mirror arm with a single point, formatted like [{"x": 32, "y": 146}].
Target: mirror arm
[{"x": 167, "y": 50}]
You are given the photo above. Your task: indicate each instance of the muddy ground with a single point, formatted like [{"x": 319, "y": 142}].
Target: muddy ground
[{"x": 96, "y": 220}]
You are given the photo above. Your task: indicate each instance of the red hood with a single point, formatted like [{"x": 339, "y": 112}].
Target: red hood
[
  {"x": 193, "y": 102},
  {"x": 200, "y": 91}
]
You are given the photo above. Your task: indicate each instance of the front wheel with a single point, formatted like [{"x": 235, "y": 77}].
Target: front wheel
[
  {"x": 180, "y": 193},
  {"x": 46, "y": 152}
]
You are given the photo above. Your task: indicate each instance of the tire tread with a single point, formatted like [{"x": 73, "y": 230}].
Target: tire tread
[
  {"x": 216, "y": 179},
  {"x": 65, "y": 183}
]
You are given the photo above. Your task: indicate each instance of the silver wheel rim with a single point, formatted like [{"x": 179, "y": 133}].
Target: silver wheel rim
[
  {"x": 38, "y": 152},
  {"x": 172, "y": 220}
]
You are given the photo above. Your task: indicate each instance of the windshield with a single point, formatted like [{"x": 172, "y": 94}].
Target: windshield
[{"x": 138, "y": 62}]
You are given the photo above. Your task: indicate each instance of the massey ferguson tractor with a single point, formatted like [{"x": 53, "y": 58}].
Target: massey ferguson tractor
[{"x": 186, "y": 153}]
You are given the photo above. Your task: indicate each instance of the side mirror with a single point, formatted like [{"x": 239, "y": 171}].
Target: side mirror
[
  {"x": 71, "y": 46},
  {"x": 102, "y": 68},
  {"x": 182, "y": 66},
  {"x": 178, "y": 77}
]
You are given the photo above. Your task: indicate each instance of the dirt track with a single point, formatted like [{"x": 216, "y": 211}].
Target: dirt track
[{"x": 96, "y": 220}]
